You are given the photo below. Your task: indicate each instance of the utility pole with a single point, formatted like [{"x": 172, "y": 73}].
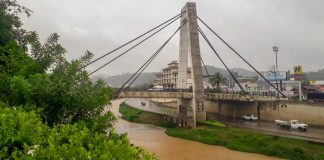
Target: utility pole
[{"x": 276, "y": 50}]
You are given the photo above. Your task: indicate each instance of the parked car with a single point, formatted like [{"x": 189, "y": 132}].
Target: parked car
[
  {"x": 250, "y": 117},
  {"x": 295, "y": 124},
  {"x": 156, "y": 88}
]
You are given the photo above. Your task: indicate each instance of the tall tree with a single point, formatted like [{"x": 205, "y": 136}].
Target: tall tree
[
  {"x": 47, "y": 87},
  {"x": 217, "y": 79},
  {"x": 10, "y": 24},
  {"x": 48, "y": 53}
]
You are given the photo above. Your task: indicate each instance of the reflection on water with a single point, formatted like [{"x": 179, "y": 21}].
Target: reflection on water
[{"x": 154, "y": 139}]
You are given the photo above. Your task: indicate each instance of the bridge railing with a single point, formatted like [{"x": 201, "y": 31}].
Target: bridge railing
[
  {"x": 151, "y": 94},
  {"x": 185, "y": 94},
  {"x": 249, "y": 92},
  {"x": 156, "y": 90}
]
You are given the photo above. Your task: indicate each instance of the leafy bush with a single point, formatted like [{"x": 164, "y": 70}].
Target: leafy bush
[
  {"x": 60, "y": 112},
  {"x": 24, "y": 136}
]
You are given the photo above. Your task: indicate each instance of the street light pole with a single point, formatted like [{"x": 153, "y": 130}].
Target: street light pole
[
  {"x": 276, "y": 50},
  {"x": 277, "y": 61}
]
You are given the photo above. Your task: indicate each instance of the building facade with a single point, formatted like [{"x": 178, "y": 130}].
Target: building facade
[{"x": 168, "y": 77}]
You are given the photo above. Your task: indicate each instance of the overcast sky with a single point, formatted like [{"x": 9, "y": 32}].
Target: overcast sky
[{"x": 252, "y": 27}]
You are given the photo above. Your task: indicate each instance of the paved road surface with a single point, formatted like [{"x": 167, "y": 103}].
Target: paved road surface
[{"x": 313, "y": 134}]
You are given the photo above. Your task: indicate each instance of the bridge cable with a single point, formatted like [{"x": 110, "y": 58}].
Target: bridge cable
[
  {"x": 242, "y": 58},
  {"x": 123, "y": 45},
  {"x": 211, "y": 46},
  {"x": 150, "y": 60},
  {"x": 143, "y": 68},
  {"x": 147, "y": 62},
  {"x": 145, "y": 65},
  {"x": 157, "y": 52},
  {"x": 133, "y": 46},
  {"x": 207, "y": 73}
]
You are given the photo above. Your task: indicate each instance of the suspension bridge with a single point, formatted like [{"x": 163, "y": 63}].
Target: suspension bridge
[{"x": 189, "y": 49}]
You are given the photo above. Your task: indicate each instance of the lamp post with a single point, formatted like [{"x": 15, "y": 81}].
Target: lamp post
[{"x": 276, "y": 50}]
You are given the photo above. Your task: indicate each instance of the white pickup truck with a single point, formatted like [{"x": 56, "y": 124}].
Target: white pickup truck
[
  {"x": 249, "y": 117},
  {"x": 295, "y": 124}
]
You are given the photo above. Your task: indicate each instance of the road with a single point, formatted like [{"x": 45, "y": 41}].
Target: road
[{"x": 313, "y": 134}]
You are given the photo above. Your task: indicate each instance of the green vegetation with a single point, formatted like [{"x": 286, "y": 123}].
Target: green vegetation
[
  {"x": 248, "y": 141},
  {"x": 49, "y": 106},
  {"x": 27, "y": 137},
  {"x": 211, "y": 123},
  {"x": 138, "y": 116},
  {"x": 217, "y": 79},
  {"x": 216, "y": 133}
]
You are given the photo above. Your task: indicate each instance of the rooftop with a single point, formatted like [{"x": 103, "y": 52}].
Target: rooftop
[{"x": 173, "y": 62}]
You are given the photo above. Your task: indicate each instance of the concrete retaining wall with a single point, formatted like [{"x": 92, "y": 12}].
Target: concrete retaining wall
[{"x": 312, "y": 114}]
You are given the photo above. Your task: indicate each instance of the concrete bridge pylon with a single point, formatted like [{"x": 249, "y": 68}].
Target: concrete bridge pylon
[{"x": 189, "y": 50}]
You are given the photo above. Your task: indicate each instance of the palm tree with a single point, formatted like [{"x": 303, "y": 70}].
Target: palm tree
[{"x": 217, "y": 79}]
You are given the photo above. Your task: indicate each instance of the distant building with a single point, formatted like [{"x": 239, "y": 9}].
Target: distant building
[
  {"x": 168, "y": 77},
  {"x": 318, "y": 84}
]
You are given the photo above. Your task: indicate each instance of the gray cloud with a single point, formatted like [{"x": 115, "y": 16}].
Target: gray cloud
[{"x": 251, "y": 26}]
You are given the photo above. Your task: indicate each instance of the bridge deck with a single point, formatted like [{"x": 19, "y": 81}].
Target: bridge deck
[{"x": 188, "y": 95}]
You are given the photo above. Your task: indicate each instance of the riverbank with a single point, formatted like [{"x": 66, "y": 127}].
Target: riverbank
[
  {"x": 155, "y": 140},
  {"x": 238, "y": 139},
  {"x": 138, "y": 116}
]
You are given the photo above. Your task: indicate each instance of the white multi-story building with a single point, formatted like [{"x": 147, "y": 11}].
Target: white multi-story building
[{"x": 168, "y": 77}]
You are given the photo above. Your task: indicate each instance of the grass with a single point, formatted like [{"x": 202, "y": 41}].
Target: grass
[
  {"x": 211, "y": 123},
  {"x": 248, "y": 141},
  {"x": 138, "y": 116},
  {"x": 216, "y": 133}
]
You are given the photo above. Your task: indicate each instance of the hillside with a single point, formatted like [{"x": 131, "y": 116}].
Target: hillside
[
  {"x": 119, "y": 80},
  {"x": 318, "y": 75},
  {"x": 241, "y": 72},
  {"x": 148, "y": 77}
]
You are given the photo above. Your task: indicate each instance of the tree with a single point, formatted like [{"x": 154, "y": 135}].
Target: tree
[
  {"x": 144, "y": 86},
  {"x": 48, "y": 53},
  {"x": 14, "y": 62},
  {"x": 49, "y": 107},
  {"x": 24, "y": 136},
  {"x": 217, "y": 79},
  {"x": 10, "y": 24},
  {"x": 64, "y": 95},
  {"x": 69, "y": 101}
]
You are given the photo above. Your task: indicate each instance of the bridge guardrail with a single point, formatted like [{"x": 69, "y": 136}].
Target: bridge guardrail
[{"x": 189, "y": 95}]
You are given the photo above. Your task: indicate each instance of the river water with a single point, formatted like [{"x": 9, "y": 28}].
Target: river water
[{"x": 154, "y": 139}]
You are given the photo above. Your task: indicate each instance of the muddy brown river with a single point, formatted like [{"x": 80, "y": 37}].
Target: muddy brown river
[{"x": 154, "y": 139}]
